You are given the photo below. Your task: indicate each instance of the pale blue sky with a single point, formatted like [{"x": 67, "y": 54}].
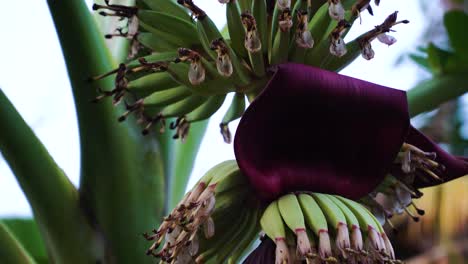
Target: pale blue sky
[{"x": 33, "y": 75}]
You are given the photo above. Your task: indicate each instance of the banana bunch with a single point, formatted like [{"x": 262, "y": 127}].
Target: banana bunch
[
  {"x": 321, "y": 228},
  {"x": 215, "y": 222},
  {"x": 185, "y": 67}
]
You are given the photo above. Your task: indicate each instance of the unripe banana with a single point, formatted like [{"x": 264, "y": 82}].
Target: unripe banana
[
  {"x": 168, "y": 23},
  {"x": 366, "y": 222},
  {"x": 335, "y": 218},
  {"x": 235, "y": 27},
  {"x": 249, "y": 237},
  {"x": 272, "y": 224},
  {"x": 155, "y": 43},
  {"x": 318, "y": 223},
  {"x": 167, "y": 97},
  {"x": 291, "y": 213},
  {"x": 169, "y": 7},
  {"x": 280, "y": 49},
  {"x": 259, "y": 11},
  {"x": 253, "y": 44},
  {"x": 207, "y": 109},
  {"x": 219, "y": 168},
  {"x": 151, "y": 83},
  {"x": 357, "y": 243},
  {"x": 183, "y": 107},
  {"x": 235, "y": 111},
  {"x": 228, "y": 178}
]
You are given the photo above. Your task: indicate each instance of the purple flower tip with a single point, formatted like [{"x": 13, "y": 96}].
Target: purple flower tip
[{"x": 315, "y": 130}]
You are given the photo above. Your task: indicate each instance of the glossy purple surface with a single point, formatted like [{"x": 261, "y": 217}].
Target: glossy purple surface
[{"x": 315, "y": 130}]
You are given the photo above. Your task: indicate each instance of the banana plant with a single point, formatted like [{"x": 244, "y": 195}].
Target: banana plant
[{"x": 312, "y": 148}]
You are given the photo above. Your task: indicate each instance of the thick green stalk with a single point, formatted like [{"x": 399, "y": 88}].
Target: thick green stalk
[
  {"x": 430, "y": 94},
  {"x": 11, "y": 251},
  {"x": 53, "y": 198},
  {"x": 184, "y": 159},
  {"x": 122, "y": 183}
]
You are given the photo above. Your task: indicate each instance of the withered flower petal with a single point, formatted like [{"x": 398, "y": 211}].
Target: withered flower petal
[
  {"x": 315, "y": 130},
  {"x": 455, "y": 167}
]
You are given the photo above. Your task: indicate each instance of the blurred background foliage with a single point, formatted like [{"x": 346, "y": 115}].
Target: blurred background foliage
[{"x": 441, "y": 235}]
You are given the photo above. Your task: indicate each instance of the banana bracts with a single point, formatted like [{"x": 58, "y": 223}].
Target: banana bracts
[
  {"x": 327, "y": 228},
  {"x": 215, "y": 222}
]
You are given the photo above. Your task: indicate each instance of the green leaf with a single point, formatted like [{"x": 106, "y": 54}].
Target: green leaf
[
  {"x": 53, "y": 198},
  {"x": 421, "y": 61},
  {"x": 27, "y": 233},
  {"x": 437, "y": 59},
  {"x": 456, "y": 23},
  {"x": 122, "y": 181},
  {"x": 428, "y": 95},
  {"x": 11, "y": 250}
]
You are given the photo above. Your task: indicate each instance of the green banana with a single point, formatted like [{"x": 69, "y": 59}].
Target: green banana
[
  {"x": 272, "y": 224},
  {"x": 242, "y": 232},
  {"x": 155, "y": 43},
  {"x": 207, "y": 109},
  {"x": 228, "y": 199},
  {"x": 180, "y": 71},
  {"x": 167, "y": 97},
  {"x": 249, "y": 237},
  {"x": 235, "y": 111},
  {"x": 291, "y": 213},
  {"x": 235, "y": 27},
  {"x": 218, "y": 241},
  {"x": 366, "y": 222},
  {"x": 318, "y": 223},
  {"x": 150, "y": 83},
  {"x": 183, "y": 107},
  {"x": 168, "y": 23},
  {"x": 335, "y": 218},
  {"x": 299, "y": 6},
  {"x": 219, "y": 168},
  {"x": 259, "y": 12},
  {"x": 279, "y": 51},
  {"x": 254, "y": 45},
  {"x": 169, "y": 7},
  {"x": 357, "y": 244},
  {"x": 228, "y": 179},
  {"x": 176, "y": 39}
]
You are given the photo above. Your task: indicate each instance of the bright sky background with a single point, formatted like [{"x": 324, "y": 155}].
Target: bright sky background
[{"x": 33, "y": 76}]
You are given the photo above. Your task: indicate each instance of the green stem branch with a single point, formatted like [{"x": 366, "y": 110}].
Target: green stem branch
[{"x": 11, "y": 251}]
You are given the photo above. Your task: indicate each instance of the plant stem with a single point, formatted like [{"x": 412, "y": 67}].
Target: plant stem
[
  {"x": 430, "y": 94},
  {"x": 122, "y": 182},
  {"x": 53, "y": 198}
]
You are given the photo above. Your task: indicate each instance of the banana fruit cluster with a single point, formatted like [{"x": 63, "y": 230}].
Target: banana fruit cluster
[
  {"x": 321, "y": 228},
  {"x": 186, "y": 66},
  {"x": 215, "y": 222}
]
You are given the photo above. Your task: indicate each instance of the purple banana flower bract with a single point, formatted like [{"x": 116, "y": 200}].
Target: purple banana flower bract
[{"x": 315, "y": 130}]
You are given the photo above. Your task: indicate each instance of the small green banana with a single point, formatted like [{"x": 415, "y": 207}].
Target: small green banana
[
  {"x": 183, "y": 107},
  {"x": 318, "y": 223},
  {"x": 279, "y": 52},
  {"x": 249, "y": 237},
  {"x": 235, "y": 111},
  {"x": 207, "y": 109},
  {"x": 168, "y": 23},
  {"x": 229, "y": 179},
  {"x": 272, "y": 224},
  {"x": 167, "y": 97},
  {"x": 227, "y": 200},
  {"x": 337, "y": 219},
  {"x": 253, "y": 44},
  {"x": 259, "y": 12},
  {"x": 291, "y": 213},
  {"x": 155, "y": 43},
  {"x": 366, "y": 222},
  {"x": 208, "y": 176},
  {"x": 165, "y": 33},
  {"x": 169, "y": 7},
  {"x": 151, "y": 83},
  {"x": 235, "y": 27},
  {"x": 357, "y": 244}
]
